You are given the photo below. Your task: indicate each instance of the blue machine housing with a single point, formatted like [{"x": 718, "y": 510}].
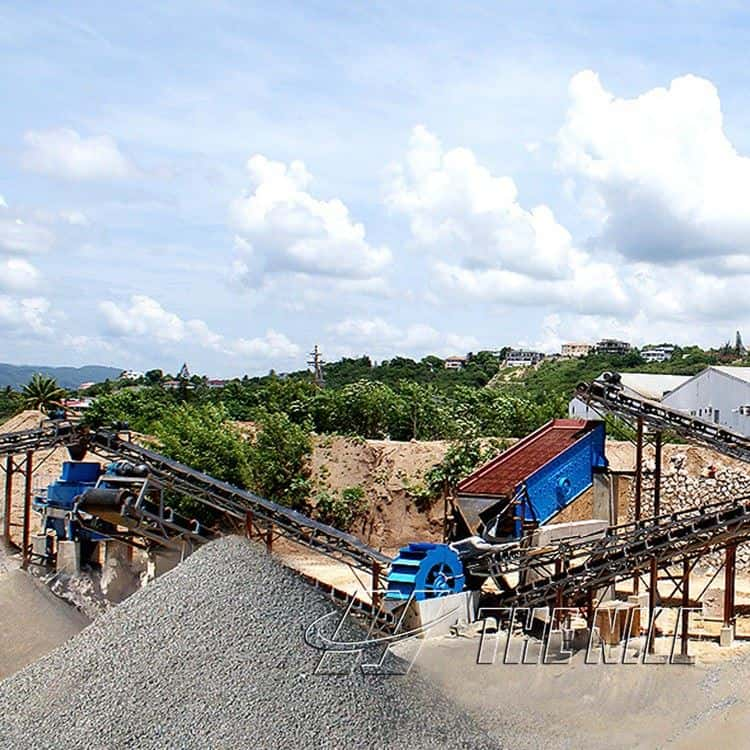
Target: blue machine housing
[
  {"x": 424, "y": 570},
  {"x": 560, "y": 481},
  {"x": 58, "y": 500}
]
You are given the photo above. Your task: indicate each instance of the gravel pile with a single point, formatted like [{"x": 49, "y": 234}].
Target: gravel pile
[{"x": 212, "y": 656}]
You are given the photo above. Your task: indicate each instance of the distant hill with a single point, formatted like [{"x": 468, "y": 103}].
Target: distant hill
[{"x": 17, "y": 376}]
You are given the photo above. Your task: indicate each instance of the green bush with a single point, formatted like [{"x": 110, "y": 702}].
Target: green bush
[{"x": 341, "y": 509}]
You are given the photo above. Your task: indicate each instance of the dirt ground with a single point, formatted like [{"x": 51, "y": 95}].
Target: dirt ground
[{"x": 584, "y": 706}]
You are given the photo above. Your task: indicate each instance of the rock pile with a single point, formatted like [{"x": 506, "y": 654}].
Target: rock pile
[
  {"x": 682, "y": 488},
  {"x": 212, "y": 655}
]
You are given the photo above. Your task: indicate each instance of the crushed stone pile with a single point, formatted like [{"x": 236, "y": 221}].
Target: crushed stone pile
[{"x": 212, "y": 655}]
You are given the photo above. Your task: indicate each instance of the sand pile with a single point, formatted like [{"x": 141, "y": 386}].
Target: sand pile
[{"x": 212, "y": 655}]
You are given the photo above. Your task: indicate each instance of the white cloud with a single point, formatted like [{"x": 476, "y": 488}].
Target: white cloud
[
  {"x": 459, "y": 209},
  {"x": 273, "y": 345},
  {"x": 17, "y": 236},
  {"x": 23, "y": 317},
  {"x": 669, "y": 182},
  {"x": 3, "y": 204},
  {"x": 66, "y": 154},
  {"x": 382, "y": 337},
  {"x": 145, "y": 317},
  {"x": 75, "y": 218},
  {"x": 17, "y": 275},
  {"x": 283, "y": 228}
]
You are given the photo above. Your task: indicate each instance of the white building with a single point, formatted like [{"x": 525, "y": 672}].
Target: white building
[
  {"x": 455, "y": 362},
  {"x": 522, "y": 358},
  {"x": 718, "y": 394},
  {"x": 643, "y": 384},
  {"x": 131, "y": 375},
  {"x": 661, "y": 353},
  {"x": 576, "y": 349}
]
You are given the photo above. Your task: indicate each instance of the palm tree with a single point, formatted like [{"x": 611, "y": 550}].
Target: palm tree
[{"x": 42, "y": 393}]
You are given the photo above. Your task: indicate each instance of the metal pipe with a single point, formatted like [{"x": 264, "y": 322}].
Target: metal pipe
[
  {"x": 8, "y": 497},
  {"x": 657, "y": 472},
  {"x": 27, "y": 509}
]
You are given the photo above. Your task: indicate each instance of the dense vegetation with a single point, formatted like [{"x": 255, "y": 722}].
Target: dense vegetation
[{"x": 400, "y": 399}]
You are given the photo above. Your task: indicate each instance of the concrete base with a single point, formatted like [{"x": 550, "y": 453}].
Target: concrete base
[
  {"x": 159, "y": 564},
  {"x": 438, "y": 616},
  {"x": 641, "y": 601},
  {"x": 69, "y": 558},
  {"x": 38, "y": 546},
  {"x": 118, "y": 580},
  {"x": 686, "y": 659},
  {"x": 726, "y": 636}
]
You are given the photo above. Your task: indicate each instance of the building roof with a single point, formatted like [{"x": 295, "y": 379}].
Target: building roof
[
  {"x": 741, "y": 373},
  {"x": 504, "y": 473},
  {"x": 652, "y": 386}
]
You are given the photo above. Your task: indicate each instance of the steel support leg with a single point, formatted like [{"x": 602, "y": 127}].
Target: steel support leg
[
  {"x": 657, "y": 472},
  {"x": 685, "y": 605},
  {"x": 27, "y": 509},
  {"x": 638, "y": 486},
  {"x": 376, "y": 596},
  {"x": 729, "y": 583},
  {"x": 653, "y": 595},
  {"x": 8, "y": 498}
]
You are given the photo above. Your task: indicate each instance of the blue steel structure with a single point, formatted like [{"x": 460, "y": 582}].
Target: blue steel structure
[
  {"x": 55, "y": 504},
  {"x": 538, "y": 477},
  {"x": 549, "y": 489}
]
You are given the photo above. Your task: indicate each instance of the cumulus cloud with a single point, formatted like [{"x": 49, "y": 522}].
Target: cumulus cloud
[
  {"x": 17, "y": 236},
  {"x": 146, "y": 317},
  {"x": 17, "y": 275},
  {"x": 75, "y": 218},
  {"x": 281, "y": 227},
  {"x": 273, "y": 345},
  {"x": 66, "y": 154},
  {"x": 485, "y": 245},
  {"x": 25, "y": 317},
  {"x": 382, "y": 336},
  {"x": 458, "y": 207},
  {"x": 669, "y": 183}
]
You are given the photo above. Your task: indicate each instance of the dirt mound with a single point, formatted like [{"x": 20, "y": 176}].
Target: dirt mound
[
  {"x": 212, "y": 655},
  {"x": 388, "y": 472},
  {"x": 26, "y": 420}
]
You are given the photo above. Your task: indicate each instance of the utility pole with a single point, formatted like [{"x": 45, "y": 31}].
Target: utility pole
[{"x": 316, "y": 362}]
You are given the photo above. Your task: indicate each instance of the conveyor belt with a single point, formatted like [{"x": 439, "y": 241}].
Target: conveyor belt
[
  {"x": 50, "y": 435},
  {"x": 627, "y": 549},
  {"x": 203, "y": 488},
  {"x": 236, "y": 502},
  {"x": 611, "y": 397}
]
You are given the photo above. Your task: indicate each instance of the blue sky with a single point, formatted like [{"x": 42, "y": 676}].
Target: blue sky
[{"x": 230, "y": 183}]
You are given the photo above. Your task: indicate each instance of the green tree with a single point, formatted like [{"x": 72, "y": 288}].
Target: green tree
[
  {"x": 279, "y": 461},
  {"x": 203, "y": 437},
  {"x": 42, "y": 393}
]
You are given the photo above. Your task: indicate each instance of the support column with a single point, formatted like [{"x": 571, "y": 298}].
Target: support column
[
  {"x": 638, "y": 486},
  {"x": 653, "y": 596},
  {"x": 727, "y": 631},
  {"x": 375, "y": 585},
  {"x": 685, "y": 605},
  {"x": 657, "y": 472},
  {"x": 269, "y": 539},
  {"x": 27, "y": 509},
  {"x": 8, "y": 498}
]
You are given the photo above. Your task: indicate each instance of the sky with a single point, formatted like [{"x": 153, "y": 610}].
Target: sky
[{"x": 228, "y": 184}]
